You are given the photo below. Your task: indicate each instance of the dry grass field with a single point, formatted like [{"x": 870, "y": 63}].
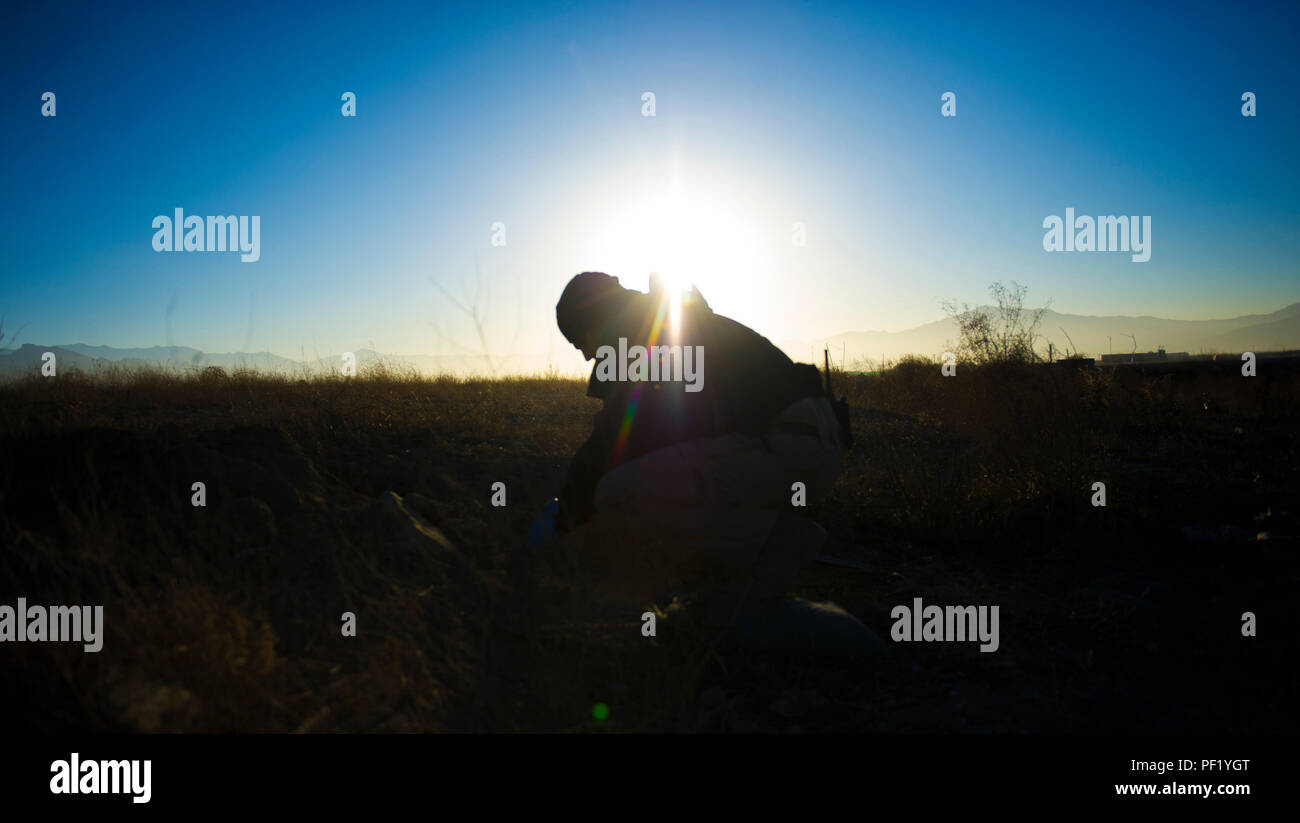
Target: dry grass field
[{"x": 372, "y": 495}]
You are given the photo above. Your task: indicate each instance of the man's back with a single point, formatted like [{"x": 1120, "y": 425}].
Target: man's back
[{"x": 743, "y": 382}]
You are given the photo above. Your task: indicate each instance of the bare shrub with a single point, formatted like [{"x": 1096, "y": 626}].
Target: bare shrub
[{"x": 1005, "y": 333}]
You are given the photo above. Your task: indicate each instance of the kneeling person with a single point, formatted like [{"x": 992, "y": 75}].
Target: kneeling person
[{"x": 704, "y": 469}]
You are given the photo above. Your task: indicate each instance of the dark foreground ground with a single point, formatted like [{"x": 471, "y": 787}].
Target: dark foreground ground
[{"x": 372, "y": 495}]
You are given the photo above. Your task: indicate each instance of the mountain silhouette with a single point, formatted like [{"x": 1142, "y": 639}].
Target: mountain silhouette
[{"x": 1088, "y": 335}]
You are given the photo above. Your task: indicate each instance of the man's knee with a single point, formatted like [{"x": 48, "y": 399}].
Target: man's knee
[{"x": 683, "y": 474}]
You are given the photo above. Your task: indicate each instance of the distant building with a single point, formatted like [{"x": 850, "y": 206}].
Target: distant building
[
  {"x": 1156, "y": 358},
  {"x": 1159, "y": 356}
]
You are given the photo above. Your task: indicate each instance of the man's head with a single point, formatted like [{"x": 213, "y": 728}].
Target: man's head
[{"x": 590, "y": 304}]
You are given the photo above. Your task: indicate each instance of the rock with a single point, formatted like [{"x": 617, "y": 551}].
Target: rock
[
  {"x": 398, "y": 523},
  {"x": 422, "y": 506},
  {"x": 795, "y": 626}
]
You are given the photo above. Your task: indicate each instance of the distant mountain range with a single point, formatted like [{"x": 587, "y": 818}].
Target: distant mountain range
[
  {"x": 29, "y": 357},
  {"x": 1087, "y": 335},
  {"x": 1090, "y": 336}
]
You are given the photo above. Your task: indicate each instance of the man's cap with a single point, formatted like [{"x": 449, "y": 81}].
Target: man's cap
[{"x": 588, "y": 297}]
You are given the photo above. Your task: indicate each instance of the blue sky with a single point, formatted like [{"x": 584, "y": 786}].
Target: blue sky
[{"x": 766, "y": 114}]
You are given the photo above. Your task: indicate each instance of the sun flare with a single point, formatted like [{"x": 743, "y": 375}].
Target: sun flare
[{"x": 687, "y": 239}]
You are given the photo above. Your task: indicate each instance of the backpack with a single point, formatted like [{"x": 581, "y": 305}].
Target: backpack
[{"x": 811, "y": 384}]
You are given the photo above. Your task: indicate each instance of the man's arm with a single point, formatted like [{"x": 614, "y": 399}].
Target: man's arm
[{"x": 577, "y": 497}]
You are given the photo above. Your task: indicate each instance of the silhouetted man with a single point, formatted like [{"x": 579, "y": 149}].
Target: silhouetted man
[{"x": 701, "y": 460}]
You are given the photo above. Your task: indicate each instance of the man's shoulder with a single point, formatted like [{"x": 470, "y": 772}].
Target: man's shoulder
[{"x": 734, "y": 336}]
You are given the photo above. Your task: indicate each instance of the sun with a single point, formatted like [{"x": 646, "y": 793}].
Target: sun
[{"x": 687, "y": 238}]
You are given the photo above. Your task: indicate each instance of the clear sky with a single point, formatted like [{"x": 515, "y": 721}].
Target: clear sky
[{"x": 766, "y": 114}]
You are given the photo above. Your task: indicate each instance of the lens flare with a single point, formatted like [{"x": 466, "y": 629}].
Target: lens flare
[{"x": 689, "y": 238}]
